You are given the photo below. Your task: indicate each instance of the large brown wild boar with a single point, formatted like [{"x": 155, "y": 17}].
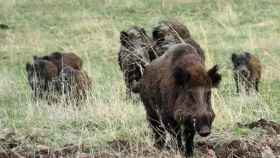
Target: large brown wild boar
[
  {"x": 176, "y": 90},
  {"x": 247, "y": 71}
]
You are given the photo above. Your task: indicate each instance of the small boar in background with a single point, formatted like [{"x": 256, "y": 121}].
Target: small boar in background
[
  {"x": 169, "y": 32},
  {"x": 247, "y": 71},
  {"x": 41, "y": 74},
  {"x": 64, "y": 59},
  {"x": 74, "y": 84},
  {"x": 57, "y": 74}
]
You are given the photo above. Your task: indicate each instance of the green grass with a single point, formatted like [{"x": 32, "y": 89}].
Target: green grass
[{"x": 91, "y": 29}]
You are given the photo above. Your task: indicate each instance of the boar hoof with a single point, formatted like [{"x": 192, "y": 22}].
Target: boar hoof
[
  {"x": 189, "y": 154},
  {"x": 159, "y": 145}
]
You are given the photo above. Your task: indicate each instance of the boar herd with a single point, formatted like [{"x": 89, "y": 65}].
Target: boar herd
[
  {"x": 167, "y": 70},
  {"x": 169, "y": 73},
  {"x": 58, "y": 73}
]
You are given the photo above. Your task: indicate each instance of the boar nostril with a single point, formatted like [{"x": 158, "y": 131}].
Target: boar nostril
[{"x": 204, "y": 133}]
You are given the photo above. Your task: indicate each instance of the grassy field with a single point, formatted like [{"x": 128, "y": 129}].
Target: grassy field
[{"x": 91, "y": 29}]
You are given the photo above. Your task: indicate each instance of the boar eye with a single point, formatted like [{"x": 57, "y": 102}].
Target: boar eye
[
  {"x": 180, "y": 76},
  {"x": 192, "y": 97},
  {"x": 236, "y": 64}
]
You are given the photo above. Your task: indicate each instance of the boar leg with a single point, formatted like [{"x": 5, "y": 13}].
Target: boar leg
[
  {"x": 257, "y": 86},
  {"x": 128, "y": 93},
  {"x": 128, "y": 81},
  {"x": 175, "y": 130},
  {"x": 135, "y": 87},
  {"x": 131, "y": 77},
  {"x": 155, "y": 123},
  {"x": 248, "y": 86},
  {"x": 178, "y": 135},
  {"x": 188, "y": 136},
  {"x": 236, "y": 83}
]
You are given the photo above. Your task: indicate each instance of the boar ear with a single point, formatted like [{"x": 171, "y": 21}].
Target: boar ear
[
  {"x": 46, "y": 57},
  {"x": 247, "y": 55},
  {"x": 42, "y": 65},
  {"x": 143, "y": 31},
  {"x": 215, "y": 76},
  {"x": 57, "y": 55},
  {"x": 233, "y": 57},
  {"x": 28, "y": 66},
  {"x": 156, "y": 34},
  {"x": 35, "y": 57},
  {"x": 180, "y": 76},
  {"x": 124, "y": 38}
]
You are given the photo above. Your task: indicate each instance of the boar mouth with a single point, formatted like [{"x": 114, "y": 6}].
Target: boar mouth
[
  {"x": 244, "y": 73},
  {"x": 203, "y": 129}
]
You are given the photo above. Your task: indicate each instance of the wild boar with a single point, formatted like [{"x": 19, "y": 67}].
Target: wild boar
[
  {"x": 74, "y": 84},
  {"x": 41, "y": 74},
  {"x": 176, "y": 92},
  {"x": 168, "y": 33},
  {"x": 133, "y": 55},
  {"x": 247, "y": 71},
  {"x": 64, "y": 59}
]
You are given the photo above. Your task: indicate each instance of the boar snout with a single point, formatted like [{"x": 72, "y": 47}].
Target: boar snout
[
  {"x": 202, "y": 124},
  {"x": 243, "y": 71},
  {"x": 204, "y": 131}
]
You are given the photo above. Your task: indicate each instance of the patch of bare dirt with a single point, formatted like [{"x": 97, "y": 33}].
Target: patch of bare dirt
[
  {"x": 266, "y": 147},
  {"x": 239, "y": 148},
  {"x": 263, "y": 146},
  {"x": 270, "y": 126},
  {"x": 125, "y": 149},
  {"x": 12, "y": 146},
  {"x": 45, "y": 152}
]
